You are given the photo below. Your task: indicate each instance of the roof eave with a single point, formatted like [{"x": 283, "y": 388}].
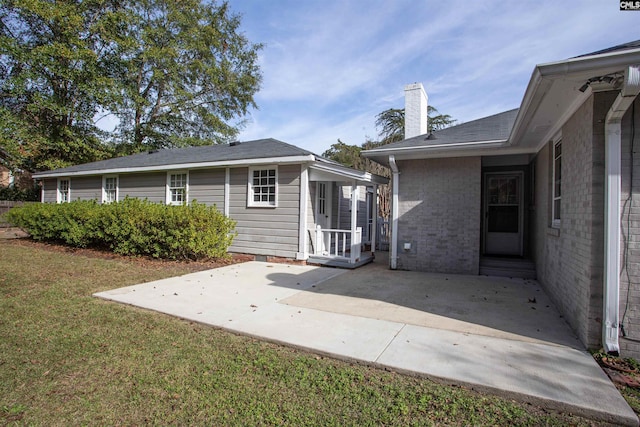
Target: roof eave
[
  {"x": 349, "y": 173},
  {"x": 418, "y": 150},
  {"x": 586, "y": 63},
  {"x": 179, "y": 166},
  {"x": 544, "y": 74},
  {"x": 491, "y": 148}
]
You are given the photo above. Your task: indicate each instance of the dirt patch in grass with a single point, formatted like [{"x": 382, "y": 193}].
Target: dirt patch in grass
[
  {"x": 67, "y": 358},
  {"x": 625, "y": 374}
]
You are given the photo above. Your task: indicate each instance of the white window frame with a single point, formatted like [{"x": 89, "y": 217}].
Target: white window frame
[
  {"x": 169, "y": 200},
  {"x": 251, "y": 188},
  {"x": 555, "y": 222},
  {"x": 104, "y": 188},
  {"x": 59, "y": 198}
]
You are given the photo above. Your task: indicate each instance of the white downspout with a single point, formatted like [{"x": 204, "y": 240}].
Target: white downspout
[
  {"x": 613, "y": 151},
  {"x": 393, "y": 258}
]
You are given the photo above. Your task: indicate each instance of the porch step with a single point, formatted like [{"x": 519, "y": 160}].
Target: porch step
[
  {"x": 339, "y": 262},
  {"x": 508, "y": 267}
]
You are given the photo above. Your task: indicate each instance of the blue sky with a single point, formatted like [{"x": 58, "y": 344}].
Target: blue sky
[{"x": 329, "y": 66}]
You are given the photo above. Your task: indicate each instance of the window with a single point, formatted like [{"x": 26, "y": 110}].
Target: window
[
  {"x": 557, "y": 184},
  {"x": 109, "y": 189},
  {"x": 263, "y": 187},
  {"x": 177, "y": 188},
  {"x": 64, "y": 190},
  {"x": 322, "y": 198}
]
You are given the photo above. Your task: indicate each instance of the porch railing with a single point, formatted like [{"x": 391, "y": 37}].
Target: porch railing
[{"x": 334, "y": 243}]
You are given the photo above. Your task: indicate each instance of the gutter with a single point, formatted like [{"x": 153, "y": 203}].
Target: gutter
[
  {"x": 543, "y": 74},
  {"x": 178, "y": 166},
  {"x": 615, "y": 59},
  {"x": 613, "y": 151},
  {"x": 398, "y": 150},
  {"x": 393, "y": 258},
  {"x": 348, "y": 172}
]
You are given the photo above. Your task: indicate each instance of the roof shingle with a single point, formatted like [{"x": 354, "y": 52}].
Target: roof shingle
[
  {"x": 492, "y": 128},
  {"x": 261, "y": 148}
]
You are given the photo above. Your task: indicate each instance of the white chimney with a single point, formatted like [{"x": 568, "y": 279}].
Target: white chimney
[{"x": 415, "y": 110}]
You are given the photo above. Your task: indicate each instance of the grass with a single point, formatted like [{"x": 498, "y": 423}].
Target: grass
[
  {"x": 624, "y": 367},
  {"x": 67, "y": 358}
]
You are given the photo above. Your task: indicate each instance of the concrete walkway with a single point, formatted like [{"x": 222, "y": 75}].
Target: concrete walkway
[{"x": 495, "y": 334}]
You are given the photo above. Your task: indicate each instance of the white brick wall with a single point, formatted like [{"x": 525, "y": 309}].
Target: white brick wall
[
  {"x": 630, "y": 277},
  {"x": 439, "y": 215},
  {"x": 415, "y": 110},
  {"x": 570, "y": 260}
]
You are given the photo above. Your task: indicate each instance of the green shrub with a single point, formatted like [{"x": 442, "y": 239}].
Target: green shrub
[{"x": 130, "y": 227}]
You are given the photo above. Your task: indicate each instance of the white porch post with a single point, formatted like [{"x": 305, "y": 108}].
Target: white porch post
[
  {"x": 303, "y": 252},
  {"x": 354, "y": 220},
  {"x": 374, "y": 220}
]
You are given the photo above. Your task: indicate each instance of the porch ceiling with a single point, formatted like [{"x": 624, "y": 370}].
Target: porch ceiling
[{"x": 330, "y": 172}]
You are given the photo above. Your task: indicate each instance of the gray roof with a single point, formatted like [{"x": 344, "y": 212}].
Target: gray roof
[
  {"x": 492, "y": 128},
  {"x": 258, "y": 149},
  {"x": 618, "y": 48}
]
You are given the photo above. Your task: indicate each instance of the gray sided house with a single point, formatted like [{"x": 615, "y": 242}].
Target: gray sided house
[
  {"x": 547, "y": 190},
  {"x": 287, "y": 202}
]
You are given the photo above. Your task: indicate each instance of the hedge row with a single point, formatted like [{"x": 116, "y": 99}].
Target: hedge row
[{"x": 130, "y": 227}]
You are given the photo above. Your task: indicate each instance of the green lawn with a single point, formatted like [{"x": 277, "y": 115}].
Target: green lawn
[{"x": 67, "y": 358}]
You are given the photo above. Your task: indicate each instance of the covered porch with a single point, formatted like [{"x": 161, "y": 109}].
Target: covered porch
[{"x": 341, "y": 216}]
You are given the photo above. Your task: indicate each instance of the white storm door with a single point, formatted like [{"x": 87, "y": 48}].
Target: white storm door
[{"x": 503, "y": 214}]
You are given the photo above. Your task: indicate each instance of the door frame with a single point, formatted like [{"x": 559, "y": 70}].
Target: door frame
[
  {"x": 328, "y": 201},
  {"x": 485, "y": 209},
  {"x": 328, "y": 207}
]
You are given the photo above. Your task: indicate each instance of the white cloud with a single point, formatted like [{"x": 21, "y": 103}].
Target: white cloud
[{"x": 330, "y": 66}]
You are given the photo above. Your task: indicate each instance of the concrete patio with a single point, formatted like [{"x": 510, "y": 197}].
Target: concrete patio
[{"x": 495, "y": 334}]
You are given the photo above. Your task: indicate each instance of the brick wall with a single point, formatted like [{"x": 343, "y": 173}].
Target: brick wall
[
  {"x": 439, "y": 215},
  {"x": 630, "y": 208},
  {"x": 569, "y": 259}
]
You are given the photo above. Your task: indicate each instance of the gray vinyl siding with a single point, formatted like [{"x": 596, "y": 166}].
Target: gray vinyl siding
[
  {"x": 266, "y": 231},
  {"x": 344, "y": 203},
  {"x": 335, "y": 190},
  {"x": 86, "y": 188},
  {"x": 261, "y": 230},
  {"x": 207, "y": 186},
  {"x": 345, "y": 207},
  {"x": 362, "y": 212},
  {"x": 151, "y": 186},
  {"x": 50, "y": 186}
]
